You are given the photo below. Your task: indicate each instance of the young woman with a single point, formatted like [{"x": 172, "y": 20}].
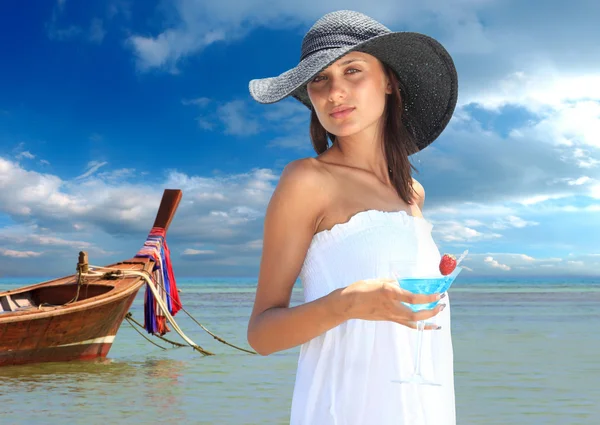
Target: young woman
[{"x": 338, "y": 220}]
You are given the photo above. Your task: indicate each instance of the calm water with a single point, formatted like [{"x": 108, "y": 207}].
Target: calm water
[{"x": 526, "y": 353}]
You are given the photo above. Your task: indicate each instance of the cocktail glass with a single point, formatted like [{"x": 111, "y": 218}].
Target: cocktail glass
[{"x": 423, "y": 285}]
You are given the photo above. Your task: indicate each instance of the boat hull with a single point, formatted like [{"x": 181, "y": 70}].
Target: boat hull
[{"x": 73, "y": 334}]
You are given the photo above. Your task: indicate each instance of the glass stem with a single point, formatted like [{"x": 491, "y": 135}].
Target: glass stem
[{"x": 420, "y": 330}]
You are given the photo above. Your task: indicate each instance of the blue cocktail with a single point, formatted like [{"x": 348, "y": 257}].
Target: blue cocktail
[
  {"x": 423, "y": 285},
  {"x": 431, "y": 285}
]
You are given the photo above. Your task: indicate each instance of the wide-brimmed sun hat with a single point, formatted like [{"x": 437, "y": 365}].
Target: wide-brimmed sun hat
[{"x": 425, "y": 69}]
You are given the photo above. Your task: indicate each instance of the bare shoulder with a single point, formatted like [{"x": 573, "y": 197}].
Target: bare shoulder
[
  {"x": 419, "y": 193},
  {"x": 307, "y": 170},
  {"x": 304, "y": 168},
  {"x": 303, "y": 181}
]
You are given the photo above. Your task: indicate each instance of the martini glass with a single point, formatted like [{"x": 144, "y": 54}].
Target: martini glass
[{"x": 423, "y": 285}]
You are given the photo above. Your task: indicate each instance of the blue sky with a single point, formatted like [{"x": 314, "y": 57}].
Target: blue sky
[{"x": 106, "y": 103}]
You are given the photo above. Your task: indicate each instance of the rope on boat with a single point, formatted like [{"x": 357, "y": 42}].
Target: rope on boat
[
  {"x": 130, "y": 319},
  {"x": 165, "y": 310},
  {"x": 215, "y": 336},
  {"x": 221, "y": 340}
]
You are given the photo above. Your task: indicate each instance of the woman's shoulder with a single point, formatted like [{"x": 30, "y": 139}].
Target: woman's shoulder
[
  {"x": 304, "y": 178},
  {"x": 301, "y": 195},
  {"x": 304, "y": 172}
]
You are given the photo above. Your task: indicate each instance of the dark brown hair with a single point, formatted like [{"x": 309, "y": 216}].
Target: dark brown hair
[{"x": 398, "y": 141}]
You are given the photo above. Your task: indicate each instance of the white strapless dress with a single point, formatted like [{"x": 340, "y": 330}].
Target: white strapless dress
[{"x": 344, "y": 375}]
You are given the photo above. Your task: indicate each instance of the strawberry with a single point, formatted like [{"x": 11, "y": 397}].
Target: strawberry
[{"x": 447, "y": 264}]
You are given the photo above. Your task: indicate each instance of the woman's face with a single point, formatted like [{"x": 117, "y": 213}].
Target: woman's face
[{"x": 357, "y": 83}]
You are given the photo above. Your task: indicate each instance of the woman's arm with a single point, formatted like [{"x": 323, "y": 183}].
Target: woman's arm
[{"x": 290, "y": 222}]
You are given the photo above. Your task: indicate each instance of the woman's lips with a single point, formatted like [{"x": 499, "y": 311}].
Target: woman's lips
[{"x": 342, "y": 114}]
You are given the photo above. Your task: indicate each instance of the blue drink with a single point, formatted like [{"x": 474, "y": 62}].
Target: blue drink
[{"x": 428, "y": 286}]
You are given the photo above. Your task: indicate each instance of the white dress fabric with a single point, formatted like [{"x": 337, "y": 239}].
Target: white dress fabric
[{"x": 344, "y": 376}]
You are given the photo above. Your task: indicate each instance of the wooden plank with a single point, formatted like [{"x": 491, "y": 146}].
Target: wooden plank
[{"x": 168, "y": 206}]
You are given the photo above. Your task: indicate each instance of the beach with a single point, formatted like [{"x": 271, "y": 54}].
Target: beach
[{"x": 525, "y": 353}]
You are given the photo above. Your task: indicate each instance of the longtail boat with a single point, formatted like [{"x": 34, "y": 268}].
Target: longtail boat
[{"x": 78, "y": 316}]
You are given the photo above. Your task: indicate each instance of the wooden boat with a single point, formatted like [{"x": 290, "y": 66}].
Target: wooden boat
[{"x": 73, "y": 318}]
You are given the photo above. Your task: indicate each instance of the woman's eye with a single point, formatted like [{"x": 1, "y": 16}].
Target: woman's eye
[{"x": 320, "y": 77}]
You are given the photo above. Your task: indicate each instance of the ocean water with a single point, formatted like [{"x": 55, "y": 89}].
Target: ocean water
[{"x": 526, "y": 352}]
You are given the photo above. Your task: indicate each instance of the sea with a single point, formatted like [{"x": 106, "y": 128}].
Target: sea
[{"x": 526, "y": 352}]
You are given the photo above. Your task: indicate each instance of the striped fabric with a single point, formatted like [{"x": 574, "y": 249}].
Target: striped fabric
[{"x": 157, "y": 249}]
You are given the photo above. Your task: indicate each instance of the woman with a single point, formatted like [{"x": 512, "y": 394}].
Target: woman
[{"x": 338, "y": 220}]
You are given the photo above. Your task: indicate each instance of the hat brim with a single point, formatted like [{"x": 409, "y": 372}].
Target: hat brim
[{"x": 423, "y": 66}]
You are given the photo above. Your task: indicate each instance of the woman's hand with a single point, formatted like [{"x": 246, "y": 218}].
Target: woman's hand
[{"x": 381, "y": 299}]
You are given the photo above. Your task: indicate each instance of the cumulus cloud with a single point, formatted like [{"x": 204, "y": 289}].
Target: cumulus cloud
[
  {"x": 18, "y": 254},
  {"x": 111, "y": 218},
  {"x": 528, "y": 166},
  {"x": 453, "y": 231},
  {"x": 495, "y": 264}
]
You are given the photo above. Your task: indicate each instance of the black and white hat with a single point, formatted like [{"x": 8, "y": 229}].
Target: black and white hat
[{"x": 425, "y": 69}]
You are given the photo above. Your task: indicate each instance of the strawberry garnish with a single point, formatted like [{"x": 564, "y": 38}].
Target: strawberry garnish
[{"x": 447, "y": 264}]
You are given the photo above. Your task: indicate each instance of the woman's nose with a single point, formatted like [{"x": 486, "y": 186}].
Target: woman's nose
[{"x": 337, "y": 89}]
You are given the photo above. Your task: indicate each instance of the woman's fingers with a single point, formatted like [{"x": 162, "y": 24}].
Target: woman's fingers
[
  {"x": 413, "y": 298},
  {"x": 410, "y": 318},
  {"x": 426, "y": 314}
]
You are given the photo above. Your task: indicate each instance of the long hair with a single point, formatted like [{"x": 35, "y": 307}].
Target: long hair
[{"x": 399, "y": 143}]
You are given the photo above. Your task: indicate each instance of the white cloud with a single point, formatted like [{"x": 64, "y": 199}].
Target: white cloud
[
  {"x": 526, "y": 257},
  {"x": 512, "y": 221},
  {"x": 190, "y": 251},
  {"x": 106, "y": 201},
  {"x": 92, "y": 167},
  {"x": 536, "y": 199},
  {"x": 19, "y": 254},
  {"x": 495, "y": 264},
  {"x": 25, "y": 154},
  {"x": 454, "y": 231},
  {"x": 111, "y": 217},
  {"x": 574, "y": 123},
  {"x": 544, "y": 89}
]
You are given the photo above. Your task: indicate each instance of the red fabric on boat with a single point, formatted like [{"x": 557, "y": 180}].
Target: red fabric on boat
[{"x": 157, "y": 249}]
